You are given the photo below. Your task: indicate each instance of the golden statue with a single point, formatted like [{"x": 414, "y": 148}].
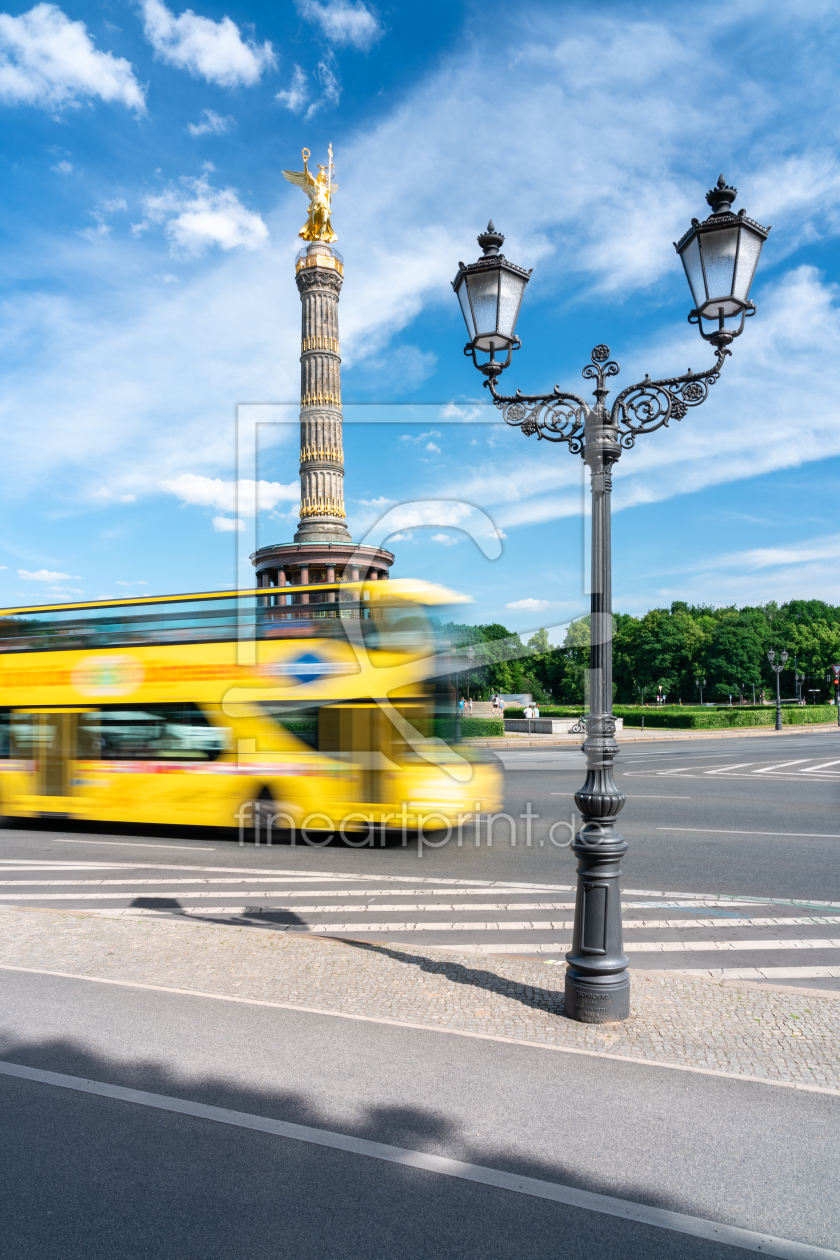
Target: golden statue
[{"x": 319, "y": 190}]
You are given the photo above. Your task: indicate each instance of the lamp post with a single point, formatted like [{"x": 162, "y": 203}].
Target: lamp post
[
  {"x": 720, "y": 256},
  {"x": 777, "y": 669},
  {"x": 834, "y": 677},
  {"x": 701, "y": 683}
]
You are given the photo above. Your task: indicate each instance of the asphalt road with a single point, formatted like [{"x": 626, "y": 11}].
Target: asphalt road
[
  {"x": 740, "y": 834},
  {"x": 100, "y": 1177},
  {"x": 96, "y": 1176}
]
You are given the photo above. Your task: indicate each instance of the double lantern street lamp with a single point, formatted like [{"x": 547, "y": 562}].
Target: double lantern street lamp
[
  {"x": 720, "y": 256},
  {"x": 777, "y": 669}
]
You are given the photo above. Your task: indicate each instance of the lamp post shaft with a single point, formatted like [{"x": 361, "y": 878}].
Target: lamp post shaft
[
  {"x": 597, "y": 979},
  {"x": 777, "y": 670}
]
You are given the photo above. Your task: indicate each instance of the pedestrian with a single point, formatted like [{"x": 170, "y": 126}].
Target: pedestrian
[
  {"x": 528, "y": 711},
  {"x": 462, "y": 705},
  {"x": 535, "y": 709},
  {"x": 501, "y": 706},
  {"x": 469, "y": 705}
]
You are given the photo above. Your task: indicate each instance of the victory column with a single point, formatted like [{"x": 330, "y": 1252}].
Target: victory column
[{"x": 323, "y": 551}]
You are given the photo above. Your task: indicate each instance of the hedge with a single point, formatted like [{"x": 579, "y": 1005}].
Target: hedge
[
  {"x": 718, "y": 719},
  {"x": 471, "y": 728},
  {"x": 693, "y": 717}
]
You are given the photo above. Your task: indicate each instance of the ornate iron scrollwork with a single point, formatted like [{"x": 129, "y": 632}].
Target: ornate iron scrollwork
[
  {"x": 556, "y": 417},
  {"x": 650, "y": 405},
  {"x": 640, "y": 408}
]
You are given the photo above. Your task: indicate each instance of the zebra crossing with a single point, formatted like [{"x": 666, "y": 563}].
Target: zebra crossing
[
  {"x": 764, "y": 938},
  {"x": 801, "y": 769}
]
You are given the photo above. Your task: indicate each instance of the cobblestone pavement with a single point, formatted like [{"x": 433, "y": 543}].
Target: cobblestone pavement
[{"x": 776, "y": 1035}]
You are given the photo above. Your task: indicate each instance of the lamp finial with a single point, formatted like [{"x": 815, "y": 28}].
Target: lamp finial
[
  {"x": 491, "y": 241},
  {"x": 720, "y": 197}
]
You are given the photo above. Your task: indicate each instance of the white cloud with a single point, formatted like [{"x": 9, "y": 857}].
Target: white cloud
[
  {"x": 430, "y": 446},
  {"x": 211, "y": 50},
  {"x": 343, "y": 23},
  {"x": 62, "y": 168},
  {"x": 295, "y": 96},
  {"x": 139, "y": 582},
  {"x": 47, "y": 60},
  {"x": 381, "y": 503},
  {"x": 222, "y": 495},
  {"x": 212, "y": 124},
  {"x": 529, "y": 605},
  {"x": 406, "y": 536},
  {"x": 46, "y": 575},
  {"x": 420, "y": 437},
  {"x": 444, "y": 539},
  {"x": 227, "y": 524},
  {"x": 330, "y": 86},
  {"x": 197, "y": 215}
]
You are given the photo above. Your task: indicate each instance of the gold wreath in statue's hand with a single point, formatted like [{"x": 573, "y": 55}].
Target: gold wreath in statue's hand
[{"x": 319, "y": 190}]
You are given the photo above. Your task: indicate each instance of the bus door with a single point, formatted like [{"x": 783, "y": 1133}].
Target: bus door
[
  {"x": 48, "y": 740},
  {"x": 365, "y": 734}
]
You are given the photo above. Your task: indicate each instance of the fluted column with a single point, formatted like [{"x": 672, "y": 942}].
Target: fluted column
[{"x": 322, "y": 517}]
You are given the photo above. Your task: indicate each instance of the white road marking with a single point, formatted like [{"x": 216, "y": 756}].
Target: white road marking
[
  {"x": 739, "y": 765},
  {"x": 138, "y": 844},
  {"x": 623, "y": 1209},
  {"x": 635, "y": 797},
  {"x": 780, "y": 765},
  {"x": 760, "y": 973},
  {"x": 728, "y": 831},
  {"x": 570, "y": 1196}
]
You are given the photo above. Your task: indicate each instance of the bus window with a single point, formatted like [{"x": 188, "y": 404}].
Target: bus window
[
  {"x": 150, "y": 732},
  {"x": 5, "y": 732},
  {"x": 301, "y": 721}
]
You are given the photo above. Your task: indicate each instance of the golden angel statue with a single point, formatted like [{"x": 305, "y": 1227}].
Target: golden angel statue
[{"x": 319, "y": 190}]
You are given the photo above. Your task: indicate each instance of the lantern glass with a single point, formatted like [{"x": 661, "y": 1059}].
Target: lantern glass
[
  {"x": 511, "y": 289},
  {"x": 466, "y": 309},
  {"x": 720, "y": 250},
  {"x": 694, "y": 270},
  {"x": 748, "y": 252},
  {"x": 484, "y": 295}
]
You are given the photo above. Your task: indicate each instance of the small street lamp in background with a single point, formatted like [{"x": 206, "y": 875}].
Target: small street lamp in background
[
  {"x": 814, "y": 691},
  {"x": 701, "y": 683},
  {"x": 777, "y": 669},
  {"x": 720, "y": 256},
  {"x": 833, "y": 678}
]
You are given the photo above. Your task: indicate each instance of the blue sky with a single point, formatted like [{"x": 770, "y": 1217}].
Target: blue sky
[{"x": 148, "y": 240}]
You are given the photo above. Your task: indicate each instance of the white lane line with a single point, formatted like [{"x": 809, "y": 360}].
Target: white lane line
[
  {"x": 436, "y": 1028},
  {"x": 760, "y": 973},
  {"x": 728, "y": 831},
  {"x": 496, "y": 907},
  {"x": 780, "y": 765},
  {"x": 635, "y": 797},
  {"x": 446, "y": 886},
  {"x": 823, "y": 766},
  {"x": 471, "y": 926},
  {"x": 138, "y": 844},
  {"x": 738, "y": 765},
  {"x": 569, "y": 1196}
]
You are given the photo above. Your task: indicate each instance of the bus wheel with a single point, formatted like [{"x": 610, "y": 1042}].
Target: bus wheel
[{"x": 262, "y": 814}]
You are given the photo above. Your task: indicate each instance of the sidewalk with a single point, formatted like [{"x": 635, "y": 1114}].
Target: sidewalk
[
  {"x": 634, "y": 736},
  {"x": 730, "y": 1028}
]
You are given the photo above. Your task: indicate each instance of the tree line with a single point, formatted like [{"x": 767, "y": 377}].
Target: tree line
[{"x": 668, "y": 649}]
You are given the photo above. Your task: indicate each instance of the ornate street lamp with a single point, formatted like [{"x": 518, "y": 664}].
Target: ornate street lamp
[
  {"x": 490, "y": 292},
  {"x": 701, "y": 683},
  {"x": 777, "y": 669},
  {"x": 720, "y": 256}
]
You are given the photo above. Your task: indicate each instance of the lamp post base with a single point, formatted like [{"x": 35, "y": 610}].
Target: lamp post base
[{"x": 594, "y": 1001}]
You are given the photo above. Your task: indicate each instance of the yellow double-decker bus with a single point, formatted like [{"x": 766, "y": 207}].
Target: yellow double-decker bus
[{"x": 234, "y": 709}]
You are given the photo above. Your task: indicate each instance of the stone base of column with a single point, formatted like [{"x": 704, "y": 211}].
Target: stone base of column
[
  {"x": 320, "y": 558},
  {"x": 594, "y": 1001}
]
